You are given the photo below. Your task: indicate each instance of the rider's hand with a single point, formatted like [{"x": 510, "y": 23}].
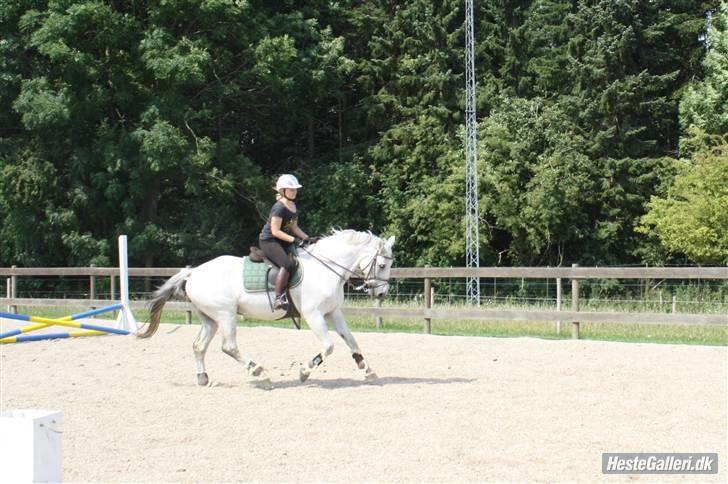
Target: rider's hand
[
  {"x": 297, "y": 242},
  {"x": 312, "y": 240}
]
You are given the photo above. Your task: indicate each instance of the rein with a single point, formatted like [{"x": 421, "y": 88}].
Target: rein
[
  {"x": 369, "y": 269},
  {"x": 323, "y": 263}
]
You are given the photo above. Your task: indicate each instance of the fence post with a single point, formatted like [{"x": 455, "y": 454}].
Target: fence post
[
  {"x": 428, "y": 304},
  {"x": 7, "y": 290},
  {"x": 14, "y": 291},
  {"x": 674, "y": 304},
  {"x": 558, "y": 303},
  {"x": 378, "y": 321},
  {"x": 188, "y": 313},
  {"x": 547, "y": 285},
  {"x": 92, "y": 286},
  {"x": 574, "y": 304},
  {"x": 112, "y": 285}
]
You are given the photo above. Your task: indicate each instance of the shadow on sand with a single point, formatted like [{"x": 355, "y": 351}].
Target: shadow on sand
[{"x": 350, "y": 382}]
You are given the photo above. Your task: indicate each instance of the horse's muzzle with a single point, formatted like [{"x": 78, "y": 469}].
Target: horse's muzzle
[{"x": 379, "y": 292}]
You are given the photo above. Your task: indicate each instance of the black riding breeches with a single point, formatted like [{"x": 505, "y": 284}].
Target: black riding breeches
[{"x": 274, "y": 251}]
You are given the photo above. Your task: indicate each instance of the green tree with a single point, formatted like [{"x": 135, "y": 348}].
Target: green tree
[
  {"x": 132, "y": 120},
  {"x": 537, "y": 184},
  {"x": 692, "y": 219},
  {"x": 170, "y": 120},
  {"x": 704, "y": 106},
  {"x": 411, "y": 74},
  {"x": 624, "y": 102}
]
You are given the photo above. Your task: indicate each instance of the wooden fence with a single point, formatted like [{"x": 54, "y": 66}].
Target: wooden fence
[{"x": 427, "y": 312}]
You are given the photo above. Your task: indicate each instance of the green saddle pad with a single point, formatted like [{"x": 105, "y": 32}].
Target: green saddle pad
[{"x": 255, "y": 275}]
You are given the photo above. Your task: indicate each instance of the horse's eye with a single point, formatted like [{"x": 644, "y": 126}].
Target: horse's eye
[{"x": 382, "y": 266}]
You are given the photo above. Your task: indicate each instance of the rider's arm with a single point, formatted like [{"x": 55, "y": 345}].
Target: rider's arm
[
  {"x": 299, "y": 233},
  {"x": 275, "y": 229}
]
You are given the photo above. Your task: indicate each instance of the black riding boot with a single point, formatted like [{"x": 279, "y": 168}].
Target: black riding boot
[{"x": 281, "y": 301}]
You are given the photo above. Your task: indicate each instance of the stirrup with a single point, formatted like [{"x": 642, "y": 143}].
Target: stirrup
[{"x": 281, "y": 302}]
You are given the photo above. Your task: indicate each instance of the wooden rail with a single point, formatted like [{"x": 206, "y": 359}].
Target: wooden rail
[
  {"x": 427, "y": 313},
  {"x": 525, "y": 315},
  {"x": 563, "y": 272},
  {"x": 88, "y": 271},
  {"x": 427, "y": 272}
]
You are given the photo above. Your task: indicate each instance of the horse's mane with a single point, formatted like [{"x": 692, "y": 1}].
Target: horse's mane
[{"x": 349, "y": 236}]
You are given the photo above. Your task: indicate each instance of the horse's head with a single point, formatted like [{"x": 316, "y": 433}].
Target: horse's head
[
  {"x": 376, "y": 266},
  {"x": 348, "y": 253}
]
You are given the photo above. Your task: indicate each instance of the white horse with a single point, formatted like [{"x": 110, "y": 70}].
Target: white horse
[{"x": 216, "y": 290}]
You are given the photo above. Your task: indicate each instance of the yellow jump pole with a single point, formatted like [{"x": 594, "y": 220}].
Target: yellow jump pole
[
  {"x": 91, "y": 329},
  {"x": 38, "y": 337}
]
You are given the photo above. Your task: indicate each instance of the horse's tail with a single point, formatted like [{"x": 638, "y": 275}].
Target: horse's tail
[{"x": 174, "y": 285}]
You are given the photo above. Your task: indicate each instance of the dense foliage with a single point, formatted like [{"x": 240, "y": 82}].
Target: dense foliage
[
  {"x": 168, "y": 120},
  {"x": 692, "y": 218}
]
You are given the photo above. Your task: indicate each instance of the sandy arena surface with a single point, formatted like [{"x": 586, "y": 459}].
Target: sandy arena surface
[{"x": 444, "y": 408}]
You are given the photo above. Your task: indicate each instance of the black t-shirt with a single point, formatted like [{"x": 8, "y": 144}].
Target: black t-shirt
[{"x": 288, "y": 219}]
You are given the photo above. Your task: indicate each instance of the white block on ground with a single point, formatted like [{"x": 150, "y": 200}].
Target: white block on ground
[{"x": 30, "y": 446}]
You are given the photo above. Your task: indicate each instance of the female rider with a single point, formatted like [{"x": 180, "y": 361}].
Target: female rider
[{"x": 280, "y": 233}]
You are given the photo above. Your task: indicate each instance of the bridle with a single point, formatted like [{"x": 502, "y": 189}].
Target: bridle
[{"x": 371, "y": 281}]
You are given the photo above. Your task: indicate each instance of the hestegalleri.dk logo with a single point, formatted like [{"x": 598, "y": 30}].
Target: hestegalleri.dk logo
[{"x": 660, "y": 463}]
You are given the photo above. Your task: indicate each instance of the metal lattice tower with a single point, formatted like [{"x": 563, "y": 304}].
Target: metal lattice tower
[{"x": 472, "y": 252}]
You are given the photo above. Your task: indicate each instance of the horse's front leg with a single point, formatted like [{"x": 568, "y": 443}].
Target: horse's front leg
[
  {"x": 317, "y": 323},
  {"x": 336, "y": 317}
]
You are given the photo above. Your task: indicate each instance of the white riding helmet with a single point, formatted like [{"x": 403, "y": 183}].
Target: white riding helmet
[{"x": 287, "y": 181}]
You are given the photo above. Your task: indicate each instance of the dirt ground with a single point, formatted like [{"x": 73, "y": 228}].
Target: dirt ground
[{"x": 443, "y": 409}]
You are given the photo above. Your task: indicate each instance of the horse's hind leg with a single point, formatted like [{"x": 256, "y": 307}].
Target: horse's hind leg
[
  {"x": 230, "y": 347},
  {"x": 207, "y": 331},
  {"x": 337, "y": 318}
]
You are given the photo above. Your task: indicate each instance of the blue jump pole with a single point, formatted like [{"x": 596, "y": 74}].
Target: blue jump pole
[
  {"x": 85, "y": 314},
  {"x": 103, "y": 328},
  {"x": 17, "y": 317},
  {"x": 40, "y": 337}
]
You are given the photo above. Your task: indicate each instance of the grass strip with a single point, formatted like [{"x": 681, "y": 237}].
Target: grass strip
[{"x": 634, "y": 333}]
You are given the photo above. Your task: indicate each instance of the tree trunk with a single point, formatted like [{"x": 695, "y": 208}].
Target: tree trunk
[
  {"x": 151, "y": 204},
  {"x": 311, "y": 121}
]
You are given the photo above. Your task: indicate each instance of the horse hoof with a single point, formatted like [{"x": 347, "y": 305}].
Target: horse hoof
[
  {"x": 256, "y": 371},
  {"x": 202, "y": 379},
  {"x": 303, "y": 374},
  {"x": 370, "y": 375}
]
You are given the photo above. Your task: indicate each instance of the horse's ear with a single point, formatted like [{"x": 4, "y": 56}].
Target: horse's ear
[{"x": 390, "y": 241}]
